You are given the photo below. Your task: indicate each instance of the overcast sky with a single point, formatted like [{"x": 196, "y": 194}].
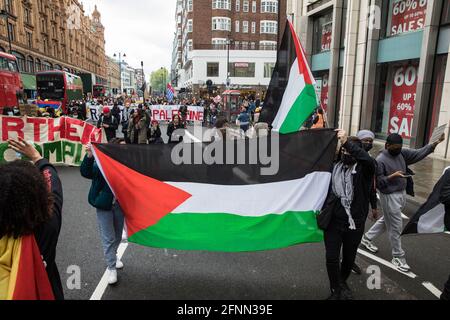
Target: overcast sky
[{"x": 143, "y": 29}]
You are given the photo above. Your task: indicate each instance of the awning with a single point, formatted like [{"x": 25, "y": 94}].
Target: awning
[{"x": 29, "y": 81}]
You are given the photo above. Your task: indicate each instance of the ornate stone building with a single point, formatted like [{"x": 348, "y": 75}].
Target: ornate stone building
[{"x": 53, "y": 34}]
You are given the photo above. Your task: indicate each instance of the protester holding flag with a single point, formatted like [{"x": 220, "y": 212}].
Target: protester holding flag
[
  {"x": 47, "y": 234},
  {"x": 137, "y": 128},
  {"x": 109, "y": 213},
  {"x": 176, "y": 124},
  {"x": 392, "y": 183},
  {"x": 109, "y": 123},
  {"x": 347, "y": 208}
]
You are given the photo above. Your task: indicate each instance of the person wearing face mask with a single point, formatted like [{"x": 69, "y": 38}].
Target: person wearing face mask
[
  {"x": 347, "y": 207},
  {"x": 391, "y": 178}
]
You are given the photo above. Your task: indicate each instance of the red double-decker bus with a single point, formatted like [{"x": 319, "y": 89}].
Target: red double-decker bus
[
  {"x": 11, "y": 87},
  {"x": 59, "y": 86}
]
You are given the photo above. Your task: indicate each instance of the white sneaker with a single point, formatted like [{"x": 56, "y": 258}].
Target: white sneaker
[
  {"x": 400, "y": 264},
  {"x": 369, "y": 245},
  {"x": 112, "y": 276},
  {"x": 119, "y": 264}
]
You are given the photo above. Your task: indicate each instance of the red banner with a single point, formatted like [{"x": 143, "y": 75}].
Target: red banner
[
  {"x": 324, "y": 93},
  {"x": 327, "y": 32},
  {"x": 408, "y": 15},
  {"x": 403, "y": 100}
]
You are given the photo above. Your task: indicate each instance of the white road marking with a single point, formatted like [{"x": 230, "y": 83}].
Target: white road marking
[
  {"x": 385, "y": 263},
  {"x": 103, "y": 284},
  {"x": 435, "y": 291}
]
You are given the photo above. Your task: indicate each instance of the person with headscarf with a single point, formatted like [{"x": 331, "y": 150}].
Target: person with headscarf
[
  {"x": 347, "y": 207},
  {"x": 391, "y": 179}
]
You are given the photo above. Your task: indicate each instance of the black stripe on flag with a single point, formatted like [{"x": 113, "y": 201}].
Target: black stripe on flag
[{"x": 301, "y": 153}]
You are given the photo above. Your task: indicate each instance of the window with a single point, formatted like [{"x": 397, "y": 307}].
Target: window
[
  {"x": 254, "y": 6},
  {"x": 268, "y": 69},
  {"x": 12, "y": 31},
  {"x": 190, "y": 25},
  {"x": 219, "y": 43},
  {"x": 221, "y": 4},
  {"x": 269, "y": 27},
  {"x": 446, "y": 13},
  {"x": 242, "y": 69},
  {"x": 252, "y": 45},
  {"x": 245, "y": 7},
  {"x": 268, "y": 45},
  {"x": 219, "y": 23},
  {"x": 190, "y": 5},
  {"x": 212, "y": 69},
  {"x": 244, "y": 45},
  {"x": 238, "y": 5},
  {"x": 322, "y": 33},
  {"x": 20, "y": 60},
  {"x": 236, "y": 45},
  {"x": 190, "y": 45},
  {"x": 38, "y": 65},
  {"x": 270, "y": 6},
  {"x": 8, "y": 6},
  {"x": 406, "y": 16},
  {"x": 27, "y": 15},
  {"x": 236, "y": 29},
  {"x": 245, "y": 26},
  {"x": 30, "y": 64},
  {"x": 253, "y": 27},
  {"x": 29, "y": 39},
  {"x": 4, "y": 64}
]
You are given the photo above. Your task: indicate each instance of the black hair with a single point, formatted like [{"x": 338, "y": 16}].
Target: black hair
[{"x": 25, "y": 199}]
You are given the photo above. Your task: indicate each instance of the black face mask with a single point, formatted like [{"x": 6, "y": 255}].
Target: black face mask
[
  {"x": 368, "y": 146},
  {"x": 395, "y": 152},
  {"x": 348, "y": 160}
]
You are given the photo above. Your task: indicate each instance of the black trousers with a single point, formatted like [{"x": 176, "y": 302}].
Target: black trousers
[
  {"x": 339, "y": 237},
  {"x": 446, "y": 294}
]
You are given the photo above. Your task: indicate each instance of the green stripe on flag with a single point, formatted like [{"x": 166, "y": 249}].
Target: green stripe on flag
[
  {"x": 230, "y": 233},
  {"x": 302, "y": 109}
]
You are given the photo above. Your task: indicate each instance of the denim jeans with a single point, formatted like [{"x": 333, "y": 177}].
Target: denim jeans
[{"x": 110, "y": 224}]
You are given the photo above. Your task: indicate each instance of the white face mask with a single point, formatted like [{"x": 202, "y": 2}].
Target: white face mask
[{"x": 10, "y": 114}]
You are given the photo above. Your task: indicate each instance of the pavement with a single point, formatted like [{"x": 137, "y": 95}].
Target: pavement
[{"x": 296, "y": 273}]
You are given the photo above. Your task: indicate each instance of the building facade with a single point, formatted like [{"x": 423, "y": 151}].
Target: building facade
[
  {"x": 53, "y": 34},
  {"x": 129, "y": 85},
  {"x": 232, "y": 43},
  {"x": 113, "y": 75},
  {"x": 380, "y": 64}
]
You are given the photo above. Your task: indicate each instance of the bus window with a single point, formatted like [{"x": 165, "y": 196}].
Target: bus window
[
  {"x": 13, "y": 66},
  {"x": 3, "y": 64}
]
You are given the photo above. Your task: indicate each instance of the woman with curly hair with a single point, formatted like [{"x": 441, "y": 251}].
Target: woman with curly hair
[{"x": 31, "y": 201}]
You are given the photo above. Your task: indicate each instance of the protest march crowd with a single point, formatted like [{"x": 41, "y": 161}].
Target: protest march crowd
[{"x": 33, "y": 217}]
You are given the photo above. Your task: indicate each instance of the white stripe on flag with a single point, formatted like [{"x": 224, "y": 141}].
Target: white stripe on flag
[{"x": 306, "y": 194}]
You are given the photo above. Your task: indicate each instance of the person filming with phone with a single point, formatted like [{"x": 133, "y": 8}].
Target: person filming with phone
[{"x": 392, "y": 179}]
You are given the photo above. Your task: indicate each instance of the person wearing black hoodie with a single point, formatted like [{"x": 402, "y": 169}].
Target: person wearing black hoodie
[
  {"x": 347, "y": 208},
  {"x": 46, "y": 235}
]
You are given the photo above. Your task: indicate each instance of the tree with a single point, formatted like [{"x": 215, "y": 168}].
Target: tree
[{"x": 159, "y": 80}]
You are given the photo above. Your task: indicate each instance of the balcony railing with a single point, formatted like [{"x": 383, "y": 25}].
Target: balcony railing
[{"x": 236, "y": 46}]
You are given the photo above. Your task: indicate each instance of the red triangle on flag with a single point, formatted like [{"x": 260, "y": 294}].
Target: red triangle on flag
[{"x": 144, "y": 200}]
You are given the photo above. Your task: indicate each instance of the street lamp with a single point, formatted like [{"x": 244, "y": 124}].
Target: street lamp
[
  {"x": 143, "y": 82},
  {"x": 120, "y": 68},
  {"x": 5, "y": 14}
]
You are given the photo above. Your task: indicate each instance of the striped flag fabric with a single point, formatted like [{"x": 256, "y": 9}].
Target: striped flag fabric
[
  {"x": 291, "y": 97},
  {"x": 431, "y": 216},
  {"x": 170, "y": 92},
  {"x": 221, "y": 207},
  {"x": 22, "y": 271}
]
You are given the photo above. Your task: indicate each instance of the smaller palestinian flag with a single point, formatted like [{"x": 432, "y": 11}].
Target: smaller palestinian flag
[
  {"x": 22, "y": 271},
  {"x": 431, "y": 217},
  {"x": 291, "y": 97}
]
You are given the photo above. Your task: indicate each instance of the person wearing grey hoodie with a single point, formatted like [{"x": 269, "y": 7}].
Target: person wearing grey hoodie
[{"x": 392, "y": 184}]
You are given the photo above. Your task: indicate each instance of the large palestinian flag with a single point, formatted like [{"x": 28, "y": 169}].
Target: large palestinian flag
[
  {"x": 431, "y": 216},
  {"x": 221, "y": 207},
  {"x": 22, "y": 272},
  {"x": 291, "y": 96}
]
